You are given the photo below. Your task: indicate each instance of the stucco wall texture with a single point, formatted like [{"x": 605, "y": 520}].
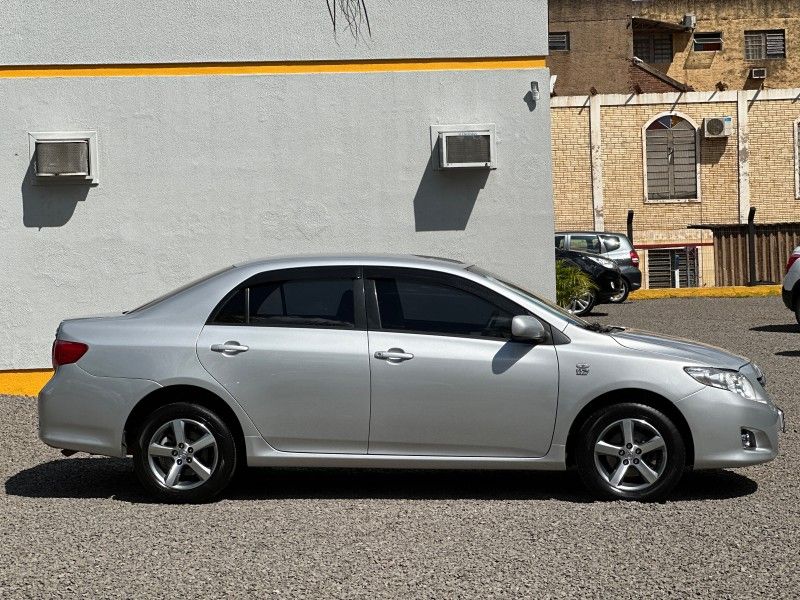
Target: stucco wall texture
[
  {"x": 161, "y": 31},
  {"x": 201, "y": 172}
]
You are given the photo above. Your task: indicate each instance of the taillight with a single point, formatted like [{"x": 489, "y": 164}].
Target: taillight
[
  {"x": 65, "y": 352},
  {"x": 635, "y": 258},
  {"x": 791, "y": 260}
]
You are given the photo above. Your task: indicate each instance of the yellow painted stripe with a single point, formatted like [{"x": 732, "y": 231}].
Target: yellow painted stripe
[
  {"x": 273, "y": 68},
  {"x": 24, "y": 383},
  {"x": 739, "y": 291}
]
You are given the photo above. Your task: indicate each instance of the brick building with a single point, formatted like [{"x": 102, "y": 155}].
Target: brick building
[
  {"x": 621, "y": 46},
  {"x": 636, "y": 82},
  {"x": 605, "y": 163}
]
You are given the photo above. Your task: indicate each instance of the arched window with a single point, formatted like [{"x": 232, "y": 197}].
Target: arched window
[{"x": 671, "y": 155}]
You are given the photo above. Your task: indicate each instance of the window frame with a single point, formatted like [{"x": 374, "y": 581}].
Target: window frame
[
  {"x": 716, "y": 35},
  {"x": 763, "y": 34},
  {"x": 445, "y": 280},
  {"x": 567, "y": 41},
  {"x": 698, "y": 161},
  {"x": 651, "y": 33},
  {"x": 300, "y": 273}
]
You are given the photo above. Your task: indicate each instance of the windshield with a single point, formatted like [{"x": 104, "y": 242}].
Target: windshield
[
  {"x": 547, "y": 306},
  {"x": 177, "y": 291}
]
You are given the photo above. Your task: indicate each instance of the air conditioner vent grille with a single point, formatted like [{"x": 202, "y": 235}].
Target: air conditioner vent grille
[
  {"x": 468, "y": 148},
  {"x": 62, "y": 158}
]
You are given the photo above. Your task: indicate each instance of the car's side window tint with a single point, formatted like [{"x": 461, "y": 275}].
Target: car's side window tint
[
  {"x": 234, "y": 311},
  {"x": 585, "y": 243},
  {"x": 407, "y": 304},
  {"x": 560, "y": 241},
  {"x": 294, "y": 303},
  {"x": 612, "y": 242}
]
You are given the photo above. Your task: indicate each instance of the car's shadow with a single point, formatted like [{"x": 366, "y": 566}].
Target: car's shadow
[
  {"x": 114, "y": 478},
  {"x": 778, "y": 328}
]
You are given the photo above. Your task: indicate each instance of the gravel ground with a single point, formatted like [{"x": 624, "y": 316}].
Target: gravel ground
[{"x": 80, "y": 527}]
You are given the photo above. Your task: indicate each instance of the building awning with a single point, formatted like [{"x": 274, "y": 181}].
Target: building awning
[
  {"x": 681, "y": 87},
  {"x": 642, "y": 23}
]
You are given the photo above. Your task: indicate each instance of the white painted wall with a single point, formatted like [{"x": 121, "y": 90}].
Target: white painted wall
[
  {"x": 114, "y": 31},
  {"x": 201, "y": 172}
]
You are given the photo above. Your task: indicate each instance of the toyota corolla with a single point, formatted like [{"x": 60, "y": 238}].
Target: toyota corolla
[{"x": 394, "y": 362}]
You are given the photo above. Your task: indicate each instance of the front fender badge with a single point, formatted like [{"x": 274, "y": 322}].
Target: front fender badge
[{"x": 581, "y": 369}]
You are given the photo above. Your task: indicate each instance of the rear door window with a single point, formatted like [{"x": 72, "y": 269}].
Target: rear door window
[
  {"x": 315, "y": 303},
  {"x": 560, "y": 241},
  {"x": 585, "y": 243}
]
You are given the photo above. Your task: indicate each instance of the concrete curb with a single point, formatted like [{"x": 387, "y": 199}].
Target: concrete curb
[{"x": 739, "y": 291}]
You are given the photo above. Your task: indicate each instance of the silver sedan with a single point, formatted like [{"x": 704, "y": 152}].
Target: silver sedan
[{"x": 407, "y": 362}]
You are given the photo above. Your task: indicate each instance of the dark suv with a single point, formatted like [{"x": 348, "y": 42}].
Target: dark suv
[{"x": 615, "y": 246}]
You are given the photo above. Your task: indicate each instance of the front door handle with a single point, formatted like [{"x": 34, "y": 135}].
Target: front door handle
[
  {"x": 229, "y": 348},
  {"x": 394, "y": 355}
]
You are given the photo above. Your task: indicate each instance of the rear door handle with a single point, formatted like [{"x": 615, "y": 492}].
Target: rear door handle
[
  {"x": 395, "y": 354},
  {"x": 229, "y": 348}
]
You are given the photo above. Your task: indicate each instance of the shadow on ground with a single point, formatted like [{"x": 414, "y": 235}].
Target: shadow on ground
[
  {"x": 782, "y": 328},
  {"x": 114, "y": 478}
]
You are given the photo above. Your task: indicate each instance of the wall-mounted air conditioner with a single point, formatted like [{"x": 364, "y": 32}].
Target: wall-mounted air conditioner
[
  {"x": 758, "y": 73},
  {"x": 717, "y": 127},
  {"x": 464, "y": 146},
  {"x": 64, "y": 157}
]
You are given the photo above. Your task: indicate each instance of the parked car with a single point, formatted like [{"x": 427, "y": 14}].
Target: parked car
[
  {"x": 605, "y": 274},
  {"x": 615, "y": 246},
  {"x": 791, "y": 284},
  {"x": 393, "y": 362}
]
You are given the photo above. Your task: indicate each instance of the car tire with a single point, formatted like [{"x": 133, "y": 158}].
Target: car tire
[
  {"x": 185, "y": 453},
  {"x": 797, "y": 310},
  {"x": 630, "y": 451},
  {"x": 582, "y": 306},
  {"x": 623, "y": 294}
]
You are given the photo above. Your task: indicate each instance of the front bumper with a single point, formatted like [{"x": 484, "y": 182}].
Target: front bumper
[
  {"x": 79, "y": 411},
  {"x": 787, "y": 298},
  {"x": 716, "y": 419}
]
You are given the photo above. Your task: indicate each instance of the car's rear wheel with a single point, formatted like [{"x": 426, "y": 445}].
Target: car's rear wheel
[
  {"x": 623, "y": 294},
  {"x": 185, "y": 453},
  {"x": 582, "y": 305},
  {"x": 630, "y": 451}
]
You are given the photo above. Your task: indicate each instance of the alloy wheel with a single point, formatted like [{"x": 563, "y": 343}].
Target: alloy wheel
[
  {"x": 630, "y": 455},
  {"x": 580, "y": 304},
  {"x": 182, "y": 454}
]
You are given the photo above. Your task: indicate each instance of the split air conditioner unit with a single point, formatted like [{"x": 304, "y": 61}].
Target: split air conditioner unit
[
  {"x": 758, "y": 73},
  {"x": 718, "y": 127},
  {"x": 64, "y": 157},
  {"x": 689, "y": 22}
]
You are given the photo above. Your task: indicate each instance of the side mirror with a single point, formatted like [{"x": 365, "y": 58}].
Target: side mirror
[{"x": 527, "y": 329}]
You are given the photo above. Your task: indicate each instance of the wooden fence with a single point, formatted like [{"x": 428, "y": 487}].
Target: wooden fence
[{"x": 774, "y": 243}]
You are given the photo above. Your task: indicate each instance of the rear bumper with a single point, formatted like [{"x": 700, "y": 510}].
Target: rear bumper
[
  {"x": 716, "y": 419},
  {"x": 78, "y": 411}
]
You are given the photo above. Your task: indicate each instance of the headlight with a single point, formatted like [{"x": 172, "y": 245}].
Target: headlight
[
  {"x": 724, "y": 379},
  {"x": 608, "y": 264}
]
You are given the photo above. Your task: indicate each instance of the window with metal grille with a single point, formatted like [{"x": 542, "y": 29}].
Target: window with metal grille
[
  {"x": 762, "y": 45},
  {"x": 559, "y": 41},
  {"x": 707, "y": 42},
  {"x": 672, "y": 267},
  {"x": 653, "y": 46},
  {"x": 671, "y": 149}
]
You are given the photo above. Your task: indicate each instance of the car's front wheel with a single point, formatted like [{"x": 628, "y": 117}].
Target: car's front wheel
[
  {"x": 630, "y": 451},
  {"x": 185, "y": 453}
]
